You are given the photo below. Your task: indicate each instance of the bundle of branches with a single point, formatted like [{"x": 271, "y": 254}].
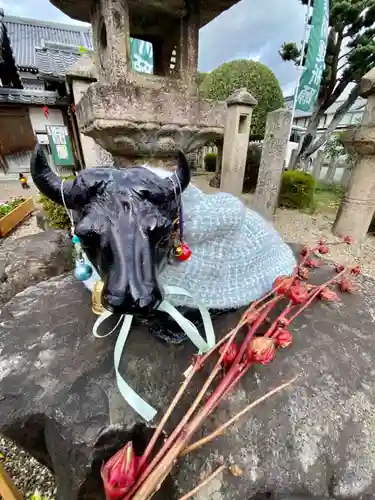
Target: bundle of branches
[{"x": 126, "y": 476}]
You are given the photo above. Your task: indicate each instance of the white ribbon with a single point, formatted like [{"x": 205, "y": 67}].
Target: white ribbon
[{"x": 138, "y": 404}]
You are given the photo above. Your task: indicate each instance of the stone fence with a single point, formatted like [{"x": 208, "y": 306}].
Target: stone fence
[{"x": 332, "y": 171}]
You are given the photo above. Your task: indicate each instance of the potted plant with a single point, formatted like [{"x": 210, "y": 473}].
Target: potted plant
[{"x": 13, "y": 212}]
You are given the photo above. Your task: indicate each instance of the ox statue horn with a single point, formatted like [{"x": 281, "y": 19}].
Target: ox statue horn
[{"x": 49, "y": 183}]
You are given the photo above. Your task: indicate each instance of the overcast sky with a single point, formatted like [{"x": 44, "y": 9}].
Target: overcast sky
[{"x": 252, "y": 29}]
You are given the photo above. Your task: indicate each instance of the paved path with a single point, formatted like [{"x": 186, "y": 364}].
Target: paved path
[{"x": 12, "y": 188}]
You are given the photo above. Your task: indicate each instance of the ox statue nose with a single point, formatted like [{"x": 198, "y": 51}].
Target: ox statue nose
[{"x": 126, "y": 304}]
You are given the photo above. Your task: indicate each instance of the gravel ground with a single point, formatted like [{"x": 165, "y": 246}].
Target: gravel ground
[
  {"x": 28, "y": 475},
  {"x": 295, "y": 227}
]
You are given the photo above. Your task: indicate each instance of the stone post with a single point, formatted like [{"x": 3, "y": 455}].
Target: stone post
[
  {"x": 318, "y": 164},
  {"x": 111, "y": 32},
  {"x": 272, "y": 161},
  {"x": 358, "y": 206},
  {"x": 236, "y": 140}
]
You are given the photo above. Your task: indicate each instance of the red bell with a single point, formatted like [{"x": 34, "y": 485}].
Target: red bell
[{"x": 183, "y": 252}]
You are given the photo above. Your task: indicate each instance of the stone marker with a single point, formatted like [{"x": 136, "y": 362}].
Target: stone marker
[
  {"x": 358, "y": 206},
  {"x": 59, "y": 399},
  {"x": 236, "y": 140},
  {"x": 272, "y": 161}
]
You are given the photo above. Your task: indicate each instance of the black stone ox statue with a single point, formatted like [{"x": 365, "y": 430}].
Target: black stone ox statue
[{"x": 124, "y": 219}]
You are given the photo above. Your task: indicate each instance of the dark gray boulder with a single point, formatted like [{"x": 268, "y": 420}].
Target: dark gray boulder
[
  {"x": 60, "y": 402},
  {"x": 31, "y": 259}
]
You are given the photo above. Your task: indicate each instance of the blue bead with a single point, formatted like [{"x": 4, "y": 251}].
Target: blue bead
[
  {"x": 83, "y": 272},
  {"x": 75, "y": 239}
]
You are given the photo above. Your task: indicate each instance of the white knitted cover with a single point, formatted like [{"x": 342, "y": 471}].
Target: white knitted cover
[{"x": 236, "y": 256}]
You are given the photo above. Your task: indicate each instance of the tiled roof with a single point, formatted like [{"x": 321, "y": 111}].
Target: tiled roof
[
  {"x": 28, "y": 34},
  {"x": 54, "y": 59},
  {"x": 32, "y": 84},
  {"x": 25, "y": 96}
]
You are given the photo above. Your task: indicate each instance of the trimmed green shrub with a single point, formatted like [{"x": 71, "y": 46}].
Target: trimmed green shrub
[
  {"x": 254, "y": 154},
  {"x": 297, "y": 190},
  {"x": 201, "y": 76},
  {"x": 210, "y": 162},
  {"x": 257, "y": 78},
  {"x": 55, "y": 213}
]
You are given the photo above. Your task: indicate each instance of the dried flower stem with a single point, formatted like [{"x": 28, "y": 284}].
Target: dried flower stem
[
  {"x": 221, "y": 430},
  {"x": 241, "y": 323},
  {"x": 167, "y": 414},
  {"x": 164, "y": 461},
  {"x": 170, "y": 441},
  {"x": 203, "y": 483}
]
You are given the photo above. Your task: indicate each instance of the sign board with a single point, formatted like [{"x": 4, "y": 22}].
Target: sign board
[
  {"x": 311, "y": 78},
  {"x": 142, "y": 57},
  {"x": 59, "y": 142}
]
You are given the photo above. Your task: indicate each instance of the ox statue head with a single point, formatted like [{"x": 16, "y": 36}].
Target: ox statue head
[{"x": 124, "y": 219}]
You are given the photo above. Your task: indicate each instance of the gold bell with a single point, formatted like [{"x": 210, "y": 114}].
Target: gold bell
[{"x": 97, "y": 307}]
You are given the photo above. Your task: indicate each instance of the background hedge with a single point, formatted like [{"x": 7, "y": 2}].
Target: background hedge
[
  {"x": 210, "y": 162},
  {"x": 55, "y": 213},
  {"x": 257, "y": 78},
  {"x": 297, "y": 190}
]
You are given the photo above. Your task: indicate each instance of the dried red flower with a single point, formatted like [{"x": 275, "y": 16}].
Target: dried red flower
[
  {"x": 328, "y": 295},
  {"x": 119, "y": 472},
  {"x": 346, "y": 285},
  {"x": 230, "y": 355},
  {"x": 298, "y": 293},
  {"x": 355, "y": 271},
  {"x": 283, "y": 338},
  {"x": 303, "y": 273},
  {"x": 348, "y": 240},
  {"x": 252, "y": 316},
  {"x": 339, "y": 268},
  {"x": 312, "y": 263},
  {"x": 282, "y": 322},
  {"x": 323, "y": 249},
  {"x": 283, "y": 283},
  {"x": 305, "y": 250},
  {"x": 261, "y": 350}
]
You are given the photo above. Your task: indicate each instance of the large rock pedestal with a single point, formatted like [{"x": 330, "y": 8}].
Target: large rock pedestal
[
  {"x": 59, "y": 399},
  {"x": 358, "y": 206}
]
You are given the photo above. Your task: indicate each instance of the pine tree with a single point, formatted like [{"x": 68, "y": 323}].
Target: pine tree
[{"x": 350, "y": 55}]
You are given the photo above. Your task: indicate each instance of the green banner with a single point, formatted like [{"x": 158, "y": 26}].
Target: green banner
[
  {"x": 141, "y": 56},
  {"x": 311, "y": 78},
  {"x": 59, "y": 142}
]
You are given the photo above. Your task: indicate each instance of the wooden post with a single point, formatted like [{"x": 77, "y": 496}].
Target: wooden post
[{"x": 8, "y": 491}]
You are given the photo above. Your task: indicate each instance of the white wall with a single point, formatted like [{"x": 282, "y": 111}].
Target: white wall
[
  {"x": 93, "y": 154},
  {"x": 39, "y": 121}
]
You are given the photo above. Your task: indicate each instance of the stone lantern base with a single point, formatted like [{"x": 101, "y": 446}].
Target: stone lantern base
[{"x": 139, "y": 124}]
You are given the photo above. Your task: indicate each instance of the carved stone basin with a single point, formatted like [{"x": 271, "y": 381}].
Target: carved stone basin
[{"x": 134, "y": 121}]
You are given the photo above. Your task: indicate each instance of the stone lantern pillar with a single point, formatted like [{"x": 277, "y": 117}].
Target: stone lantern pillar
[
  {"x": 140, "y": 117},
  {"x": 358, "y": 206},
  {"x": 236, "y": 140}
]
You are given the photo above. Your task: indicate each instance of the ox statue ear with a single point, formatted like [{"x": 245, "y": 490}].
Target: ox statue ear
[{"x": 50, "y": 184}]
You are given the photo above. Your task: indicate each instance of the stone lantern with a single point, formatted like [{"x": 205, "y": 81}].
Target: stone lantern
[
  {"x": 358, "y": 206},
  {"x": 140, "y": 117}
]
